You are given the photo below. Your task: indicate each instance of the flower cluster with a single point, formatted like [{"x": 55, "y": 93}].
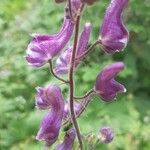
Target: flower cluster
[{"x": 44, "y": 48}]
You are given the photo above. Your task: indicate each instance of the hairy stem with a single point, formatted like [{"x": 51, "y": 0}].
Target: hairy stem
[
  {"x": 53, "y": 73},
  {"x": 84, "y": 104},
  {"x": 71, "y": 82},
  {"x": 70, "y": 8},
  {"x": 84, "y": 55},
  {"x": 86, "y": 95}
]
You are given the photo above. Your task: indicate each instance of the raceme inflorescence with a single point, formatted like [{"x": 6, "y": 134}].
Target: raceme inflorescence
[{"x": 53, "y": 49}]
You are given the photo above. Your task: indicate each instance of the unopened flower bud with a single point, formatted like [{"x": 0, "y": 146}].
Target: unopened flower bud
[{"x": 106, "y": 135}]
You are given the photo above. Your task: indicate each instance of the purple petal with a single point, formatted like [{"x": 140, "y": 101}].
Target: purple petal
[
  {"x": 45, "y": 47},
  {"x": 63, "y": 62},
  {"x": 50, "y": 97},
  {"x": 114, "y": 35},
  {"x": 106, "y": 135},
  {"x": 105, "y": 86},
  {"x": 68, "y": 140},
  {"x": 84, "y": 38},
  {"x": 110, "y": 71}
]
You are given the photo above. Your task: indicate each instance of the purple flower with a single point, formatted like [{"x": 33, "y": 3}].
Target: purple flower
[
  {"x": 63, "y": 62},
  {"x": 113, "y": 34},
  {"x": 105, "y": 86},
  {"x": 106, "y": 135},
  {"x": 44, "y": 47},
  {"x": 51, "y": 123},
  {"x": 68, "y": 140}
]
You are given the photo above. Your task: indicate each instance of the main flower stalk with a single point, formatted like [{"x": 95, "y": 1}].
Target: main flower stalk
[{"x": 71, "y": 82}]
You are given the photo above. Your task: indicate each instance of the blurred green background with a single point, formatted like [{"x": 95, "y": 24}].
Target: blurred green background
[{"x": 129, "y": 115}]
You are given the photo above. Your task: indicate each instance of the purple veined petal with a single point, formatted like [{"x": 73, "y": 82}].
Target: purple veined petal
[
  {"x": 63, "y": 61},
  {"x": 106, "y": 87},
  {"x": 106, "y": 135},
  {"x": 68, "y": 140},
  {"x": 37, "y": 62},
  {"x": 84, "y": 39},
  {"x": 113, "y": 34},
  {"x": 110, "y": 71},
  {"x": 50, "y": 96},
  {"x": 41, "y": 101},
  {"x": 45, "y": 47}
]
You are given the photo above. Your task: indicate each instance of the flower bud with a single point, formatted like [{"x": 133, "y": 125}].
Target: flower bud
[
  {"x": 106, "y": 87},
  {"x": 51, "y": 123},
  {"x": 68, "y": 140},
  {"x": 114, "y": 35},
  {"x": 63, "y": 62},
  {"x": 106, "y": 135},
  {"x": 44, "y": 47}
]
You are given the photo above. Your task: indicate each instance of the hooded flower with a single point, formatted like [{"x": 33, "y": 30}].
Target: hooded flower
[
  {"x": 51, "y": 123},
  {"x": 44, "y": 47},
  {"x": 106, "y": 87},
  {"x": 113, "y": 34},
  {"x": 62, "y": 63},
  {"x": 106, "y": 135},
  {"x": 68, "y": 140}
]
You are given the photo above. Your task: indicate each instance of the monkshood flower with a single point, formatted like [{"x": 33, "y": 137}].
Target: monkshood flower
[
  {"x": 68, "y": 140},
  {"x": 51, "y": 123},
  {"x": 106, "y": 87},
  {"x": 44, "y": 47},
  {"x": 113, "y": 33},
  {"x": 106, "y": 135},
  {"x": 63, "y": 62}
]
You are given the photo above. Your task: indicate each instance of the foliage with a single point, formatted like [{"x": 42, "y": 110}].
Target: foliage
[{"x": 129, "y": 115}]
